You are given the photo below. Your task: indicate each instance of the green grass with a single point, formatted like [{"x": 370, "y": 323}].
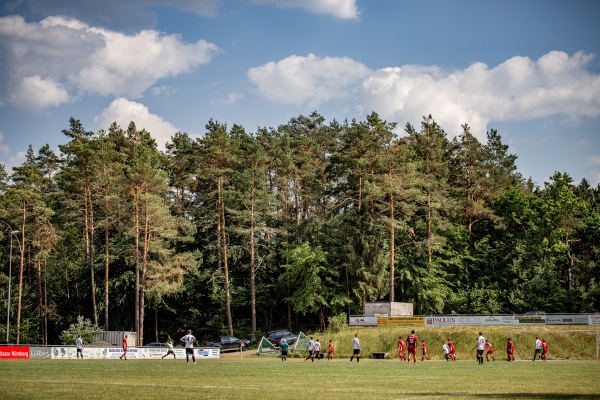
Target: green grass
[
  {"x": 269, "y": 378},
  {"x": 575, "y": 346}
]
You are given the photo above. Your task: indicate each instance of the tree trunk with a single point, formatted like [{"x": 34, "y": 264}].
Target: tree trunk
[
  {"x": 136, "y": 250},
  {"x": 21, "y": 267},
  {"x": 146, "y": 247},
  {"x": 106, "y": 261},
  {"x": 225, "y": 263},
  {"x": 91, "y": 243},
  {"x": 38, "y": 281}
]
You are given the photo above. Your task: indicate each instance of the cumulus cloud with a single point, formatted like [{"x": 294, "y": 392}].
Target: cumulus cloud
[
  {"x": 519, "y": 88},
  {"x": 343, "y": 9},
  {"x": 311, "y": 79},
  {"x": 123, "y": 111},
  {"x": 36, "y": 93},
  {"x": 60, "y": 58}
]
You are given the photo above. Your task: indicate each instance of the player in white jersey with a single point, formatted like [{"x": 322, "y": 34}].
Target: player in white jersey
[
  {"x": 446, "y": 351},
  {"x": 309, "y": 348},
  {"x": 538, "y": 348},
  {"x": 79, "y": 345},
  {"x": 170, "y": 350},
  {"x": 189, "y": 340},
  {"x": 355, "y": 348},
  {"x": 317, "y": 349},
  {"x": 480, "y": 348}
]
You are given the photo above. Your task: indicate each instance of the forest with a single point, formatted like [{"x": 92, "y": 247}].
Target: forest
[{"x": 238, "y": 232}]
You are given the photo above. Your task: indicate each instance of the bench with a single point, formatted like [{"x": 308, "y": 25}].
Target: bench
[{"x": 378, "y": 355}]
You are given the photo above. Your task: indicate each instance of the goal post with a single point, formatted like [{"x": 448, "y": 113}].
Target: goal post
[
  {"x": 301, "y": 343},
  {"x": 266, "y": 348},
  {"x": 563, "y": 344}
]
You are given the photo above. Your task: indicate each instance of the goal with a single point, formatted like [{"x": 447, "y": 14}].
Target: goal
[
  {"x": 575, "y": 345},
  {"x": 267, "y": 348}
]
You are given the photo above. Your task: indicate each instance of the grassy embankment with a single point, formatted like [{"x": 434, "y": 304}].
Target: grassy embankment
[{"x": 563, "y": 345}]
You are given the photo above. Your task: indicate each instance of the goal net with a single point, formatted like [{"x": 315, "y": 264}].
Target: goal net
[
  {"x": 579, "y": 345},
  {"x": 301, "y": 344},
  {"x": 266, "y": 348}
]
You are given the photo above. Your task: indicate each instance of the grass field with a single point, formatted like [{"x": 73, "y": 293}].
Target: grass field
[{"x": 269, "y": 378}]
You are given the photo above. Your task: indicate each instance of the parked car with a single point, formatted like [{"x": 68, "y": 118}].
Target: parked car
[
  {"x": 156, "y": 344},
  {"x": 277, "y": 336},
  {"x": 229, "y": 343}
]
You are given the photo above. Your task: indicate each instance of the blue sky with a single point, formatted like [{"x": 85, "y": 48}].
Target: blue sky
[{"x": 530, "y": 69}]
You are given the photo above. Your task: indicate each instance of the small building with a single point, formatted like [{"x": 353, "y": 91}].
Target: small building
[
  {"x": 116, "y": 338},
  {"x": 388, "y": 308}
]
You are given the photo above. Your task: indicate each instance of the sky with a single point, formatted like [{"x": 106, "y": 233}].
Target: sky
[{"x": 529, "y": 69}]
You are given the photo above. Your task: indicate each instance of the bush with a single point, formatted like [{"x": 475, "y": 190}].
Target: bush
[
  {"x": 84, "y": 328},
  {"x": 338, "y": 323}
]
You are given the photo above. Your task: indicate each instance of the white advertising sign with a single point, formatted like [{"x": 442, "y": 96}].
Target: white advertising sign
[
  {"x": 362, "y": 321},
  {"x": 70, "y": 352}
]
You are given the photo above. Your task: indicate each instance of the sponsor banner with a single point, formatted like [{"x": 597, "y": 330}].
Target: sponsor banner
[
  {"x": 531, "y": 319},
  {"x": 208, "y": 352},
  {"x": 465, "y": 320},
  {"x": 594, "y": 319},
  {"x": 113, "y": 353},
  {"x": 567, "y": 320},
  {"x": 14, "y": 351},
  {"x": 400, "y": 321},
  {"x": 40, "y": 352},
  {"x": 362, "y": 321}
]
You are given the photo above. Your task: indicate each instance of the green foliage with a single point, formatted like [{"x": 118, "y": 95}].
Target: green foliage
[
  {"x": 337, "y": 323},
  {"x": 289, "y": 227},
  {"x": 83, "y": 327}
]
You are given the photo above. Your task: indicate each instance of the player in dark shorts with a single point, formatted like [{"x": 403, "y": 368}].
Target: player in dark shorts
[{"x": 284, "y": 350}]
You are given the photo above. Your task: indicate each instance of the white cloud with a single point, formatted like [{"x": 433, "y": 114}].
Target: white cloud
[
  {"x": 313, "y": 80},
  {"x": 123, "y": 111},
  {"x": 14, "y": 160},
  {"x": 4, "y": 148},
  {"x": 66, "y": 58},
  {"x": 164, "y": 90},
  {"x": 518, "y": 89},
  {"x": 36, "y": 93},
  {"x": 343, "y": 9},
  {"x": 230, "y": 98}
]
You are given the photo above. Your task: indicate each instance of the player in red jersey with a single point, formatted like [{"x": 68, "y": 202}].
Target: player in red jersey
[
  {"x": 452, "y": 350},
  {"x": 124, "y": 356},
  {"x": 544, "y": 350},
  {"x": 401, "y": 348},
  {"x": 412, "y": 342},
  {"x": 490, "y": 351},
  {"x": 424, "y": 354},
  {"x": 510, "y": 349},
  {"x": 330, "y": 351}
]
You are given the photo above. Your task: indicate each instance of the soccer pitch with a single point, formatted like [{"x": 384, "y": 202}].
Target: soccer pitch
[{"x": 269, "y": 378}]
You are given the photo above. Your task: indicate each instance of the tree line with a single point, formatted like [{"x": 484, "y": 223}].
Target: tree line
[{"x": 238, "y": 233}]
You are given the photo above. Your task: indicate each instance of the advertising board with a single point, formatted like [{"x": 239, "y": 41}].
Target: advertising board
[{"x": 14, "y": 351}]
